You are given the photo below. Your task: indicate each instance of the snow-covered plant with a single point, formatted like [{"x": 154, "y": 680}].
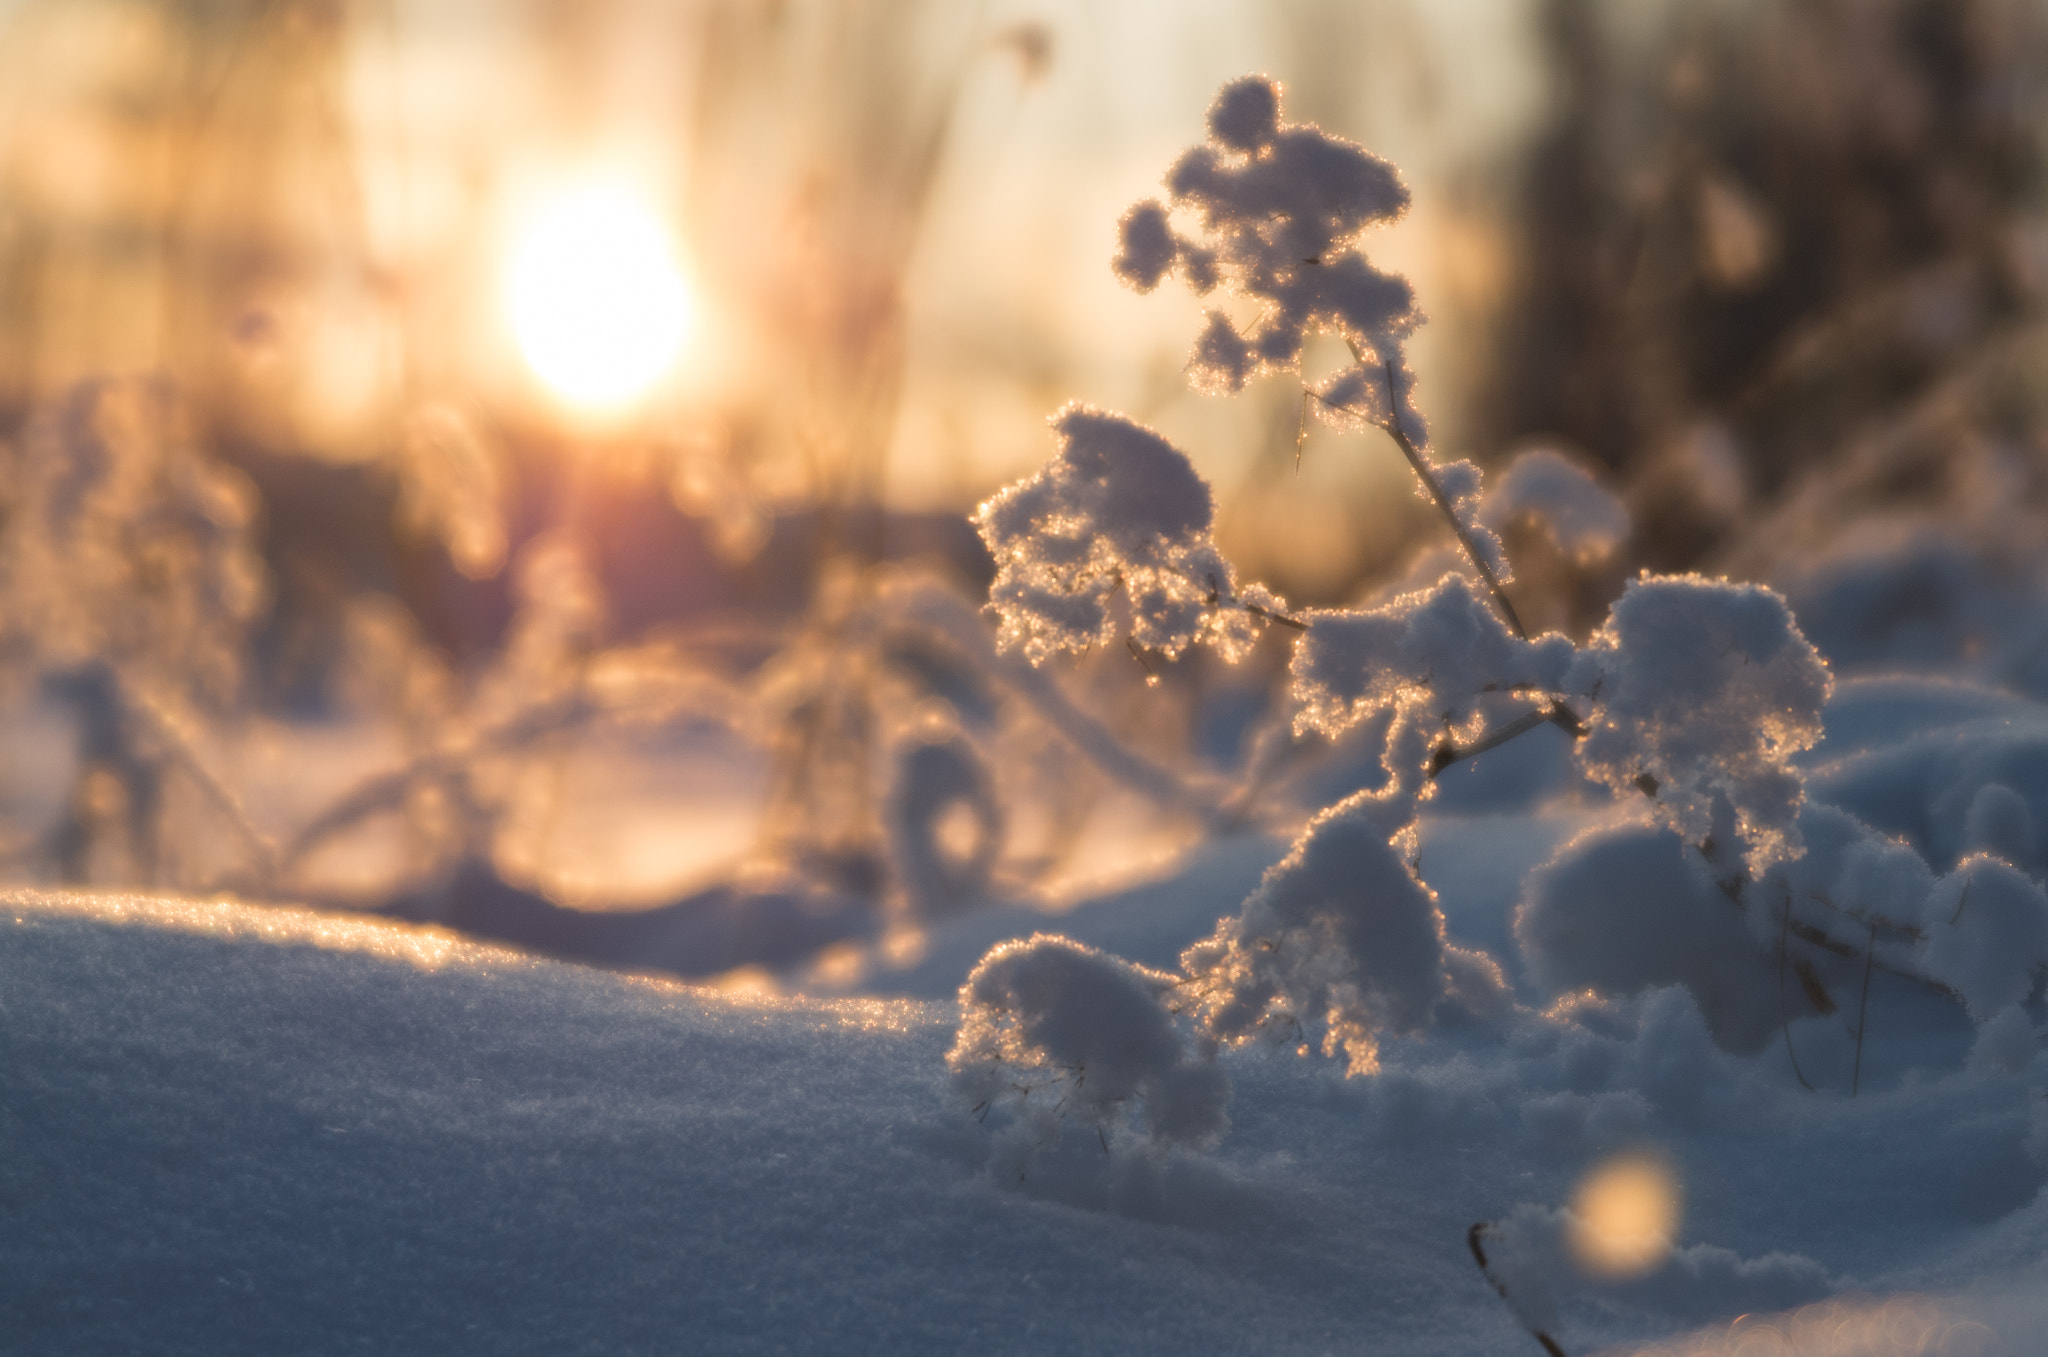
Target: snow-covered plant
[
  {"x": 1119, "y": 510},
  {"x": 1694, "y": 698},
  {"x": 1088, "y": 1034},
  {"x": 1704, "y": 690}
]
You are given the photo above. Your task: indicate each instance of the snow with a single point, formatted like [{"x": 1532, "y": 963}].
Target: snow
[
  {"x": 240, "y": 1129},
  {"x": 1088, "y": 1033},
  {"x": 1341, "y": 941},
  {"x": 1437, "y": 651}
]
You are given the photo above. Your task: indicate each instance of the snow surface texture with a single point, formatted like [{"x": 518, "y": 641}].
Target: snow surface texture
[{"x": 239, "y": 1130}]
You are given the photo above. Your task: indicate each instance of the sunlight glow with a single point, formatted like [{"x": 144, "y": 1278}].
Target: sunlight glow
[
  {"x": 423, "y": 946},
  {"x": 1624, "y": 1216},
  {"x": 597, "y": 299}
]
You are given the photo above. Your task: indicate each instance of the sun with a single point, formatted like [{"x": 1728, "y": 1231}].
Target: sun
[{"x": 597, "y": 299}]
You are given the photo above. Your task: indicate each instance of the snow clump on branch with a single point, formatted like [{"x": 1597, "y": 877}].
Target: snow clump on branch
[
  {"x": 1282, "y": 207},
  {"x": 1118, "y": 508},
  {"x": 1340, "y": 936},
  {"x": 1050, "y": 1014},
  {"x": 1431, "y": 654},
  {"x": 1705, "y": 690}
]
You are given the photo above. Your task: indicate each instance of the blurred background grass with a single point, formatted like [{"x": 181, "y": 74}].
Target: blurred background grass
[{"x": 1775, "y": 267}]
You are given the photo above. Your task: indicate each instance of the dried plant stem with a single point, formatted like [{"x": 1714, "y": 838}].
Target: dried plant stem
[
  {"x": 1784, "y": 1013},
  {"x": 1443, "y": 504},
  {"x": 1216, "y": 600},
  {"x": 1427, "y": 475},
  {"x": 942, "y": 617},
  {"x": 1556, "y": 714},
  {"x": 1863, "y": 1010},
  {"x": 1420, "y": 464},
  {"x": 693, "y": 694},
  {"x": 1475, "y": 1240},
  {"x": 1268, "y": 615}
]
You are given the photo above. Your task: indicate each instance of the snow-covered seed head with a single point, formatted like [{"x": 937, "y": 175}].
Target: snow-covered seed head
[
  {"x": 1147, "y": 246},
  {"x": 1119, "y": 509},
  {"x": 1277, "y": 211},
  {"x": 1246, "y": 114}
]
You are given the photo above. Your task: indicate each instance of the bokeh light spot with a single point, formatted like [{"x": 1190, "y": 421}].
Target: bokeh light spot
[{"x": 1625, "y": 1216}]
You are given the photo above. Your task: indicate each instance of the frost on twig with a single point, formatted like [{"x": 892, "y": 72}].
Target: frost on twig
[
  {"x": 449, "y": 489},
  {"x": 1118, "y": 510},
  {"x": 1705, "y": 691},
  {"x": 128, "y": 546},
  {"x": 131, "y": 578}
]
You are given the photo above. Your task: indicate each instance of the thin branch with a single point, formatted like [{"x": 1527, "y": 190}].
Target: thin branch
[
  {"x": 1863, "y": 1011},
  {"x": 166, "y": 730},
  {"x": 1269, "y": 615},
  {"x": 1784, "y": 1013},
  {"x": 1448, "y": 753},
  {"x": 1423, "y": 470},
  {"x": 941, "y": 615},
  {"x": 1443, "y": 503},
  {"x": 1216, "y": 600},
  {"x": 1474, "y": 1239},
  {"x": 1301, "y": 428}
]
